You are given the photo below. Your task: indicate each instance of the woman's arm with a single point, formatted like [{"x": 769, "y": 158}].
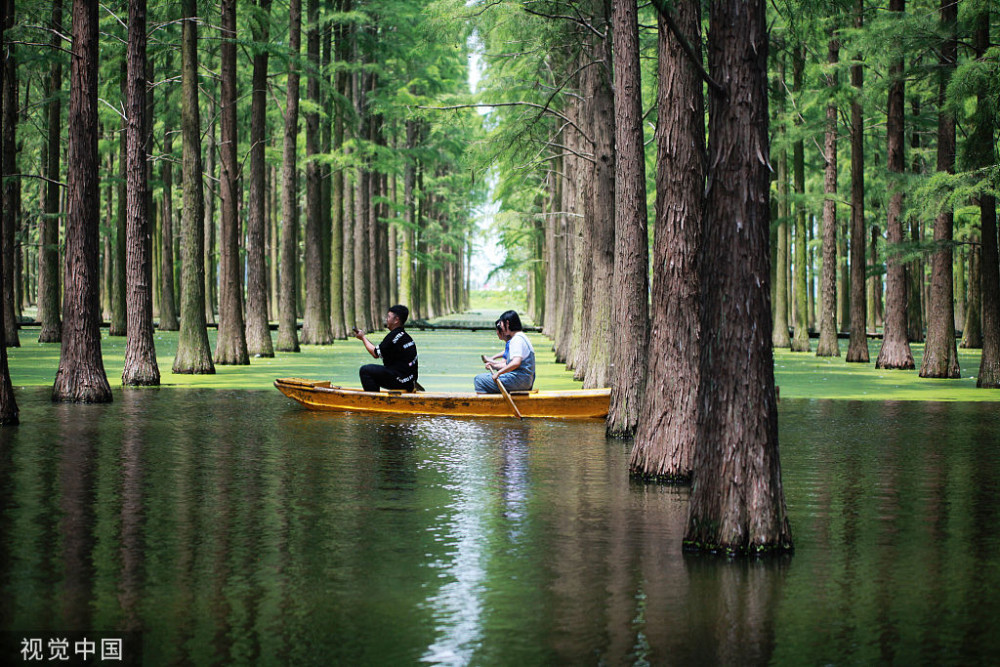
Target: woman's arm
[{"x": 513, "y": 365}]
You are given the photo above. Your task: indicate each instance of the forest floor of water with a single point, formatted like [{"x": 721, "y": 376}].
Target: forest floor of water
[{"x": 449, "y": 358}]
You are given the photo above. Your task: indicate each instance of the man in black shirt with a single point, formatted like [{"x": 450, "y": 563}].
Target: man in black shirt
[{"x": 397, "y": 351}]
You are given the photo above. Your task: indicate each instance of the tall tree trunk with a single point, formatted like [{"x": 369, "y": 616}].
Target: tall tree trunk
[
  {"x": 914, "y": 296},
  {"x": 667, "y": 432},
  {"x": 11, "y": 183},
  {"x": 168, "y": 307},
  {"x": 828, "y": 345},
  {"x": 48, "y": 232},
  {"x": 288, "y": 335},
  {"x": 362, "y": 212},
  {"x": 631, "y": 257},
  {"x": 940, "y": 353},
  {"x": 107, "y": 260},
  {"x": 258, "y": 331},
  {"x": 344, "y": 182},
  {"x": 779, "y": 334},
  {"x": 857, "y": 348},
  {"x": 81, "y": 377},
  {"x": 211, "y": 277},
  {"x": 567, "y": 232},
  {"x": 8, "y": 403},
  {"x": 972, "y": 330},
  {"x": 989, "y": 270},
  {"x": 140, "y": 354},
  {"x": 193, "y": 352},
  {"x": 316, "y": 319},
  {"x": 800, "y": 340},
  {"x": 116, "y": 325},
  {"x": 335, "y": 185},
  {"x": 406, "y": 282},
  {"x": 601, "y": 205},
  {"x": 737, "y": 502},
  {"x": 895, "y": 351},
  {"x": 231, "y": 343}
]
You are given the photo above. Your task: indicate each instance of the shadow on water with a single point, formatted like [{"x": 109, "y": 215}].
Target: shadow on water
[{"x": 235, "y": 527}]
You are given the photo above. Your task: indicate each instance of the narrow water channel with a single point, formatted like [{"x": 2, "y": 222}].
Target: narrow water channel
[{"x": 236, "y": 527}]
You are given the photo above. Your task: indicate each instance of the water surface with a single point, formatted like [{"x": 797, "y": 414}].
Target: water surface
[{"x": 236, "y": 527}]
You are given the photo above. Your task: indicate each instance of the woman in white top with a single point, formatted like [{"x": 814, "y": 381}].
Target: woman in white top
[{"x": 515, "y": 366}]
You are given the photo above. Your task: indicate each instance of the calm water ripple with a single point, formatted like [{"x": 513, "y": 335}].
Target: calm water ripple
[{"x": 234, "y": 527}]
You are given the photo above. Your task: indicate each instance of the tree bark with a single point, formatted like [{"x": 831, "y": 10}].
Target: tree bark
[
  {"x": 972, "y": 331},
  {"x": 915, "y": 271},
  {"x": 800, "y": 340},
  {"x": 81, "y": 377},
  {"x": 211, "y": 277},
  {"x": 895, "y": 351},
  {"x": 231, "y": 343},
  {"x": 828, "y": 345},
  {"x": 48, "y": 232},
  {"x": 940, "y": 353},
  {"x": 857, "y": 348},
  {"x": 667, "y": 432},
  {"x": 631, "y": 257},
  {"x": 335, "y": 187},
  {"x": 11, "y": 184},
  {"x": 737, "y": 502},
  {"x": 193, "y": 352},
  {"x": 989, "y": 270},
  {"x": 116, "y": 325},
  {"x": 8, "y": 403},
  {"x": 779, "y": 335},
  {"x": 140, "y": 368},
  {"x": 989, "y": 363},
  {"x": 406, "y": 282},
  {"x": 258, "y": 331},
  {"x": 288, "y": 335},
  {"x": 316, "y": 319},
  {"x": 168, "y": 307}
]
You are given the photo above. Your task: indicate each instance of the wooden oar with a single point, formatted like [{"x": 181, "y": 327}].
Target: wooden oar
[{"x": 503, "y": 390}]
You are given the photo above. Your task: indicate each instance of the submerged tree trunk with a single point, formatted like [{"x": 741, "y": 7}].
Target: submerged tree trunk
[
  {"x": 258, "y": 331},
  {"x": 231, "y": 343},
  {"x": 828, "y": 345},
  {"x": 193, "y": 352},
  {"x": 140, "y": 354},
  {"x": 81, "y": 377},
  {"x": 737, "y": 502},
  {"x": 895, "y": 351},
  {"x": 667, "y": 432},
  {"x": 857, "y": 348},
  {"x": 940, "y": 353},
  {"x": 631, "y": 258},
  {"x": 48, "y": 231},
  {"x": 288, "y": 335}
]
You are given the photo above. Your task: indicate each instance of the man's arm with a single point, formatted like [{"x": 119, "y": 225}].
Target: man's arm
[{"x": 360, "y": 335}]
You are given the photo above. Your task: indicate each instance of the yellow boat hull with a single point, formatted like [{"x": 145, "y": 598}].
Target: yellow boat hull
[{"x": 576, "y": 404}]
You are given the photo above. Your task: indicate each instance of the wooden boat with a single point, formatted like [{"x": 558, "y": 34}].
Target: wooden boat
[{"x": 574, "y": 404}]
